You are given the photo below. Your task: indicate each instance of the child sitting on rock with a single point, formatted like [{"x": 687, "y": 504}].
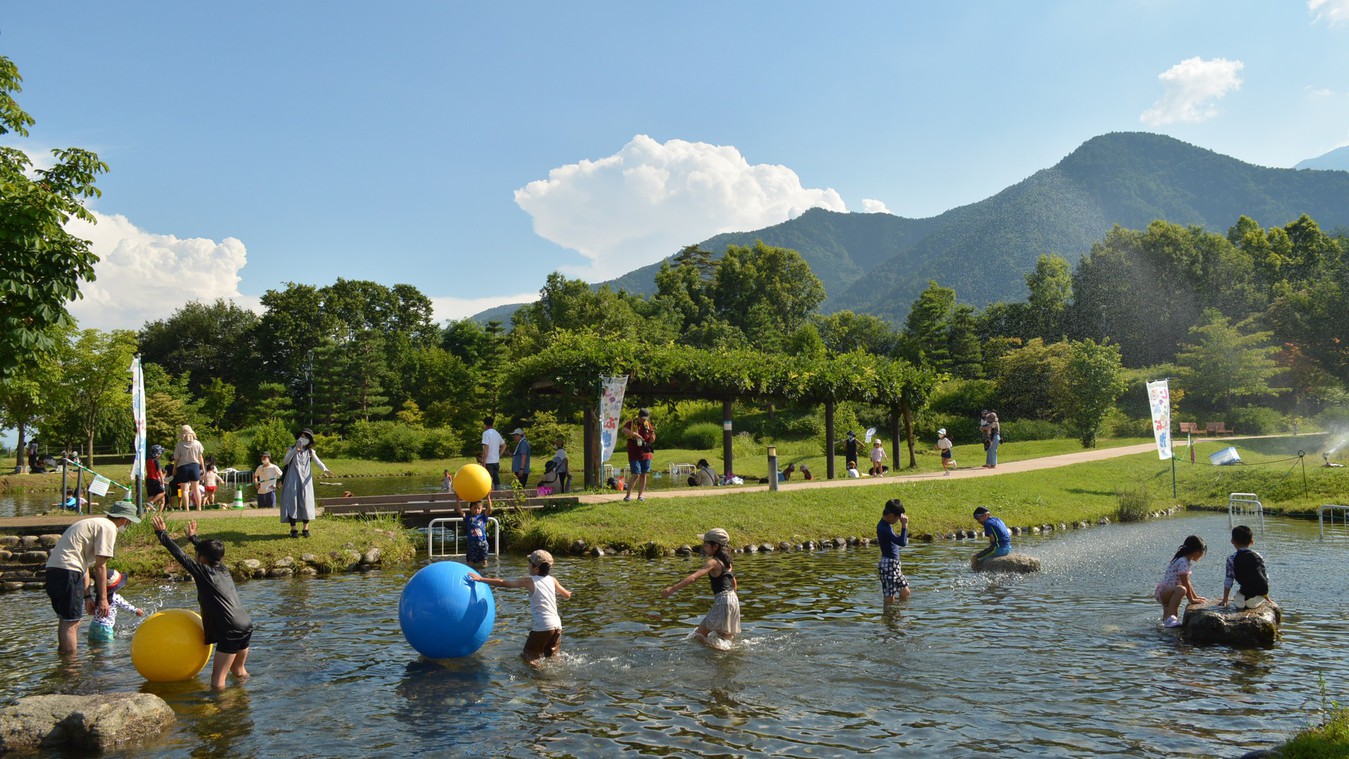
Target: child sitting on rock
[
  {"x": 1175, "y": 585},
  {"x": 1246, "y": 569},
  {"x": 101, "y": 631},
  {"x": 475, "y": 524},
  {"x": 999, "y": 537}
]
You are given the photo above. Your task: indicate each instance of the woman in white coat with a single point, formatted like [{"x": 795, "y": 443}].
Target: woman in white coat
[{"x": 297, "y": 484}]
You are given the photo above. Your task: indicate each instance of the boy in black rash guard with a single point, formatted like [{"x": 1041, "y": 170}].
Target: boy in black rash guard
[
  {"x": 223, "y": 616},
  {"x": 1245, "y": 569},
  {"x": 893, "y": 584}
]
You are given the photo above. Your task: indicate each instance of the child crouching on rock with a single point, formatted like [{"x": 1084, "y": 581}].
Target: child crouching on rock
[
  {"x": 1175, "y": 585},
  {"x": 1245, "y": 569},
  {"x": 223, "y": 616},
  {"x": 545, "y": 636}
]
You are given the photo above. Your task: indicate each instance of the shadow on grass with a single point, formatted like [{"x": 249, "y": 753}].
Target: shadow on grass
[{"x": 1085, "y": 491}]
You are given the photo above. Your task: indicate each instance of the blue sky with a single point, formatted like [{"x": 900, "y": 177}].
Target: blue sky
[{"x": 472, "y": 148}]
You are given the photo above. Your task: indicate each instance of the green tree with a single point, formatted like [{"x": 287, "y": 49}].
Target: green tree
[
  {"x": 92, "y": 397},
  {"x": 927, "y": 331},
  {"x": 765, "y": 292},
  {"x": 271, "y": 401},
  {"x": 43, "y": 263},
  {"x": 1220, "y": 366},
  {"x": 23, "y": 398},
  {"x": 1085, "y": 392},
  {"x": 963, "y": 344},
  {"x": 845, "y": 331},
  {"x": 209, "y": 342},
  {"x": 573, "y": 305},
  {"x": 216, "y": 399},
  {"x": 1026, "y": 377},
  {"x": 1051, "y": 290}
]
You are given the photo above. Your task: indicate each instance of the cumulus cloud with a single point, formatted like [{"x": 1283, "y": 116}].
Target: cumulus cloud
[
  {"x": 1335, "y": 13},
  {"x": 1192, "y": 89},
  {"x": 445, "y": 308},
  {"x": 871, "y": 205},
  {"x": 650, "y": 199},
  {"x": 142, "y": 276}
]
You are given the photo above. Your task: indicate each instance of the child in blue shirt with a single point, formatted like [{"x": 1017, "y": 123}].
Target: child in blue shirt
[
  {"x": 475, "y": 524},
  {"x": 893, "y": 584},
  {"x": 999, "y": 537}
]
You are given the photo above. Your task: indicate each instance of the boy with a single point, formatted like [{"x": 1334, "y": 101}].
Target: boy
[
  {"x": 1246, "y": 568},
  {"x": 223, "y": 616},
  {"x": 999, "y": 537},
  {"x": 265, "y": 478},
  {"x": 944, "y": 446},
  {"x": 475, "y": 525},
  {"x": 893, "y": 584},
  {"x": 545, "y": 636}
]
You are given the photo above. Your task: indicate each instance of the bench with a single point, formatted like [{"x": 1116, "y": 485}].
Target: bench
[
  {"x": 1191, "y": 428},
  {"x": 1220, "y": 428}
]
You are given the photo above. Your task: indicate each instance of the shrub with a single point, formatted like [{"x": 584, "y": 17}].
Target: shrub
[
  {"x": 963, "y": 398},
  {"x": 395, "y": 442},
  {"x": 961, "y": 429},
  {"x": 439, "y": 443},
  {"x": 1253, "y": 420},
  {"x": 701, "y": 436},
  {"x": 1030, "y": 429},
  {"x": 230, "y": 451},
  {"x": 1134, "y": 505},
  {"x": 1119, "y": 424},
  {"x": 271, "y": 436}
]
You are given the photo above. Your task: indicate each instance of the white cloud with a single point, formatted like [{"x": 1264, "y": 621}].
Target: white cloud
[
  {"x": 650, "y": 199},
  {"x": 1192, "y": 88},
  {"x": 1320, "y": 92},
  {"x": 142, "y": 276},
  {"x": 1334, "y": 12},
  {"x": 447, "y": 308},
  {"x": 871, "y": 205}
]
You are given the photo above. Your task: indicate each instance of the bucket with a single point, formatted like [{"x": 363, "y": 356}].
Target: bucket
[{"x": 1225, "y": 457}]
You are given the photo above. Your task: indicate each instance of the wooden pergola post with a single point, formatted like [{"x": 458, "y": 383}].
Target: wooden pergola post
[
  {"x": 589, "y": 423},
  {"x": 727, "y": 438},
  {"x": 829, "y": 438},
  {"x": 895, "y": 421}
]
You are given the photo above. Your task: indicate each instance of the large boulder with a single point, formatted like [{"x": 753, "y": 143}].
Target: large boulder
[
  {"x": 1238, "y": 628},
  {"x": 87, "y": 723},
  {"x": 1015, "y": 563}
]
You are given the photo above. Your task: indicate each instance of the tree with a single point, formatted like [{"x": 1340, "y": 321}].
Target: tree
[
  {"x": 211, "y": 342},
  {"x": 93, "y": 397},
  {"x": 1091, "y": 381},
  {"x": 1051, "y": 289},
  {"x": 1026, "y": 377},
  {"x": 765, "y": 292},
  {"x": 845, "y": 331},
  {"x": 23, "y": 398},
  {"x": 927, "y": 332},
  {"x": 1220, "y": 366},
  {"x": 43, "y": 263},
  {"x": 962, "y": 340}
]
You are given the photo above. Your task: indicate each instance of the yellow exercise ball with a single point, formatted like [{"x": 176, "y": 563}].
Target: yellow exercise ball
[
  {"x": 472, "y": 482},
  {"x": 170, "y": 646}
]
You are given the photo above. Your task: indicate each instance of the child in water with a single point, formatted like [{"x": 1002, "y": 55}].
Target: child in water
[
  {"x": 1245, "y": 569},
  {"x": 999, "y": 537},
  {"x": 102, "y": 629},
  {"x": 545, "y": 636},
  {"x": 475, "y": 524},
  {"x": 223, "y": 616},
  {"x": 724, "y": 617},
  {"x": 1175, "y": 584},
  {"x": 893, "y": 584}
]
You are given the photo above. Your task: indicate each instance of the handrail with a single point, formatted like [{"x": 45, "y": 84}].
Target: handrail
[{"x": 441, "y": 522}]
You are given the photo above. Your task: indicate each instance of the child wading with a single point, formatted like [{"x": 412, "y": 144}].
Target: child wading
[
  {"x": 545, "y": 635},
  {"x": 1175, "y": 585},
  {"x": 102, "y": 630},
  {"x": 1245, "y": 569},
  {"x": 475, "y": 526},
  {"x": 724, "y": 618},
  {"x": 893, "y": 584},
  {"x": 223, "y": 616}
]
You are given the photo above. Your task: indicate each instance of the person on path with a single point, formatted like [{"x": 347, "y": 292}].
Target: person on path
[
  {"x": 877, "y": 456},
  {"x": 188, "y": 465},
  {"x": 297, "y": 485},
  {"x": 724, "y": 617},
  {"x": 492, "y": 447},
  {"x": 999, "y": 537},
  {"x": 210, "y": 480},
  {"x": 641, "y": 435},
  {"x": 77, "y": 571},
  {"x": 992, "y": 438},
  {"x": 520, "y": 457},
  {"x": 944, "y": 447},
  {"x": 265, "y": 479},
  {"x": 154, "y": 478},
  {"x": 563, "y": 466},
  {"x": 893, "y": 584},
  {"x": 545, "y": 634}
]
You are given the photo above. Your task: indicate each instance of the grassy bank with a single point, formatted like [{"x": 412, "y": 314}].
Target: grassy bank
[
  {"x": 334, "y": 541},
  {"x": 1329, "y": 740}
]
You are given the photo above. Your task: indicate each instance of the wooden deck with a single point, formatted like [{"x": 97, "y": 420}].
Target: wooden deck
[{"x": 434, "y": 504}]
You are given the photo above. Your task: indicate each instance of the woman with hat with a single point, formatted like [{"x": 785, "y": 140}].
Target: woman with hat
[
  {"x": 187, "y": 467},
  {"x": 297, "y": 484},
  {"x": 724, "y": 617}
]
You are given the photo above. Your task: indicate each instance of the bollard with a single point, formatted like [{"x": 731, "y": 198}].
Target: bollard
[
  {"x": 238, "y": 496},
  {"x": 773, "y": 468}
]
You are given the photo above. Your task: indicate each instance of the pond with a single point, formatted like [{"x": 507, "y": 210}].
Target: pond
[{"x": 1069, "y": 662}]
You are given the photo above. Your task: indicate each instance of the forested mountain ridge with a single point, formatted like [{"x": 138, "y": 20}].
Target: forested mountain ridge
[{"x": 1335, "y": 160}]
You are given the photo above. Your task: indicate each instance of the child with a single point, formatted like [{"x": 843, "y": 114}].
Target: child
[
  {"x": 1246, "y": 568},
  {"x": 210, "y": 480},
  {"x": 999, "y": 537},
  {"x": 877, "y": 456},
  {"x": 1175, "y": 584},
  {"x": 154, "y": 478},
  {"x": 944, "y": 446},
  {"x": 549, "y": 482},
  {"x": 806, "y": 473},
  {"x": 74, "y": 501},
  {"x": 475, "y": 524},
  {"x": 223, "y": 616},
  {"x": 563, "y": 465},
  {"x": 101, "y": 631},
  {"x": 545, "y": 636},
  {"x": 893, "y": 584},
  {"x": 446, "y": 482},
  {"x": 853, "y": 474},
  {"x": 724, "y": 617}
]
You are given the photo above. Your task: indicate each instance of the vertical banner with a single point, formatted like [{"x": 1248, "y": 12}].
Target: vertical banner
[
  {"x": 138, "y": 416},
  {"x": 611, "y": 411},
  {"x": 1159, "y": 397}
]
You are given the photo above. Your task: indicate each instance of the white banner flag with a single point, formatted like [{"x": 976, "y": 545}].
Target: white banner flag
[
  {"x": 138, "y": 416},
  {"x": 611, "y": 412},
  {"x": 1159, "y": 397}
]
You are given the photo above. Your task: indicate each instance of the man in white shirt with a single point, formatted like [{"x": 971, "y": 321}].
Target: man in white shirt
[
  {"x": 77, "y": 571},
  {"x": 493, "y": 445}
]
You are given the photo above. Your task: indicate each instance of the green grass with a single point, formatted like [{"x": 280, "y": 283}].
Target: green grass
[
  {"x": 1329, "y": 740},
  {"x": 141, "y": 555},
  {"x": 419, "y": 468}
]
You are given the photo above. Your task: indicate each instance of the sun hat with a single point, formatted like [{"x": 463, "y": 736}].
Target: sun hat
[
  {"x": 852, "y": 434},
  {"x": 124, "y": 510},
  {"x": 643, "y": 412},
  {"x": 265, "y": 455},
  {"x": 941, "y": 432},
  {"x": 116, "y": 580},
  {"x": 718, "y": 536},
  {"x": 517, "y": 431},
  {"x": 540, "y": 557}
]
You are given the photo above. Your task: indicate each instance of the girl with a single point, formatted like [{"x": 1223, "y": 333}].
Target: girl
[
  {"x": 724, "y": 618},
  {"x": 1175, "y": 584},
  {"x": 154, "y": 478},
  {"x": 877, "y": 456},
  {"x": 944, "y": 447},
  {"x": 211, "y": 479},
  {"x": 187, "y": 467},
  {"x": 102, "y": 630}
]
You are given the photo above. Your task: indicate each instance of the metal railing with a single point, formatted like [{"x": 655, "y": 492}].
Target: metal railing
[
  {"x": 1242, "y": 504},
  {"x": 677, "y": 470},
  {"x": 1331, "y": 508},
  {"x": 439, "y": 528}
]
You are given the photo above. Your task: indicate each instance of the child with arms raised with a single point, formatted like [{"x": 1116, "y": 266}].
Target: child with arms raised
[
  {"x": 724, "y": 617},
  {"x": 545, "y": 636},
  {"x": 475, "y": 525}
]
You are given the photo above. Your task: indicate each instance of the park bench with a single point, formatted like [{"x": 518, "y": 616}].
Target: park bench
[
  {"x": 1220, "y": 428},
  {"x": 1191, "y": 428}
]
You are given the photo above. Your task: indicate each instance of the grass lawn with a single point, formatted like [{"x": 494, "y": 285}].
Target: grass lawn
[{"x": 1327, "y": 741}]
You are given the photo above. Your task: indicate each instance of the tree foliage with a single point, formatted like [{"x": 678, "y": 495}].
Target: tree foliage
[{"x": 1220, "y": 366}]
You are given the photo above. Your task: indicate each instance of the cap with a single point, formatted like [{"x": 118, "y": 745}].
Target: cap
[
  {"x": 124, "y": 510},
  {"x": 517, "y": 431},
  {"x": 644, "y": 412},
  {"x": 265, "y": 455},
  {"x": 980, "y": 511},
  {"x": 718, "y": 536},
  {"x": 942, "y": 432},
  {"x": 851, "y": 433},
  {"x": 540, "y": 557}
]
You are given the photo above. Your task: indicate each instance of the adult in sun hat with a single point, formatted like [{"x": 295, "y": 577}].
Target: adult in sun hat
[
  {"x": 297, "y": 484},
  {"x": 641, "y": 435},
  {"x": 724, "y": 617},
  {"x": 188, "y": 465},
  {"x": 520, "y": 457},
  {"x": 77, "y": 571},
  {"x": 944, "y": 448},
  {"x": 851, "y": 447}
]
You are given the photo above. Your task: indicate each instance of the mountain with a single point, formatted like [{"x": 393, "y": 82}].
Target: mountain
[{"x": 1335, "y": 160}]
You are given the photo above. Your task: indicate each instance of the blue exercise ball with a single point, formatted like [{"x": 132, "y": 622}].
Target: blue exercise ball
[{"x": 445, "y": 615}]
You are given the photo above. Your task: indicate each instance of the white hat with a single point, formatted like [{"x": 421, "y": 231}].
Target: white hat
[{"x": 941, "y": 432}]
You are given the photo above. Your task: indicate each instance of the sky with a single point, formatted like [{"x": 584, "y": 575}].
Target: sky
[{"x": 470, "y": 149}]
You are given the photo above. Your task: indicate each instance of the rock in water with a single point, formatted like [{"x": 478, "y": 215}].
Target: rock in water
[
  {"x": 1243, "y": 628},
  {"x": 1017, "y": 563},
  {"x": 89, "y": 723}
]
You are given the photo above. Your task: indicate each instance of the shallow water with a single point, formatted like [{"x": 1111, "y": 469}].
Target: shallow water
[{"x": 1070, "y": 662}]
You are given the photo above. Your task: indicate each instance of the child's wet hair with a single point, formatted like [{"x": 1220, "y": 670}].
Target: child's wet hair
[
  {"x": 1192, "y": 544},
  {"x": 212, "y": 551},
  {"x": 893, "y": 507},
  {"x": 1242, "y": 535}
]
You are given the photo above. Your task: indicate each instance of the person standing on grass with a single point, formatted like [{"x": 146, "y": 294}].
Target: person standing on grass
[
  {"x": 851, "y": 449},
  {"x": 877, "y": 456},
  {"x": 297, "y": 484},
  {"x": 492, "y": 447},
  {"x": 520, "y": 457},
  {"x": 563, "y": 467},
  {"x": 641, "y": 435},
  {"x": 77, "y": 571},
  {"x": 265, "y": 478}
]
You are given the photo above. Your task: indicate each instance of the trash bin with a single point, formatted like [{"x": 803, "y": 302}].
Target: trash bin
[{"x": 1225, "y": 457}]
